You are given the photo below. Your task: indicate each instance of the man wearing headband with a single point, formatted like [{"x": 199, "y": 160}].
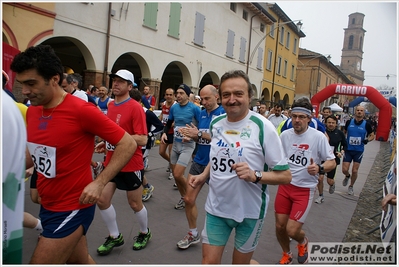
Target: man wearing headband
[
  {"x": 304, "y": 149},
  {"x": 183, "y": 114}
]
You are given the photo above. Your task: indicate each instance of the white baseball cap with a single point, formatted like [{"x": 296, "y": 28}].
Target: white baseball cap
[{"x": 124, "y": 74}]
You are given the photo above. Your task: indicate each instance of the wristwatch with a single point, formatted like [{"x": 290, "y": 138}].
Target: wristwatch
[
  {"x": 199, "y": 134},
  {"x": 258, "y": 176},
  {"x": 321, "y": 169}
]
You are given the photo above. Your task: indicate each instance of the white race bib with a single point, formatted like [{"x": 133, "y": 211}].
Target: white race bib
[
  {"x": 177, "y": 134},
  {"x": 203, "y": 141},
  {"x": 109, "y": 146},
  {"x": 355, "y": 141},
  {"x": 300, "y": 156},
  {"x": 44, "y": 159}
]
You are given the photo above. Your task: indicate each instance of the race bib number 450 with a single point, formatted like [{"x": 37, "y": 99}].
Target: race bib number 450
[{"x": 44, "y": 159}]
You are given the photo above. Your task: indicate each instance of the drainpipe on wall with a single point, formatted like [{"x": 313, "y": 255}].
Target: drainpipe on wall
[
  {"x": 275, "y": 64},
  {"x": 107, "y": 45}
]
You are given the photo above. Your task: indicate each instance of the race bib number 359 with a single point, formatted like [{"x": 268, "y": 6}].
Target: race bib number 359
[{"x": 44, "y": 159}]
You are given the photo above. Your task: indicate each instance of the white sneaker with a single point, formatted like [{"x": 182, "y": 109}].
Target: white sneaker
[
  {"x": 350, "y": 190},
  {"x": 97, "y": 170},
  {"x": 171, "y": 176},
  {"x": 147, "y": 193},
  {"x": 180, "y": 205},
  {"x": 146, "y": 165},
  {"x": 188, "y": 240},
  {"x": 319, "y": 200}
]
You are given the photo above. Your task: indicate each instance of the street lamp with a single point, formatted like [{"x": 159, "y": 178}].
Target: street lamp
[{"x": 251, "y": 56}]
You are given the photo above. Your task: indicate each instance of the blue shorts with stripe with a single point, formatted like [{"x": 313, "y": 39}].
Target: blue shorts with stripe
[{"x": 62, "y": 224}]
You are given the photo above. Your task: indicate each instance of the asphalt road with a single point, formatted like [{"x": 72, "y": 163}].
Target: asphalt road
[{"x": 326, "y": 222}]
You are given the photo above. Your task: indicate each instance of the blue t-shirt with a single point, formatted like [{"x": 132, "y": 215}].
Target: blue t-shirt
[
  {"x": 182, "y": 115},
  {"x": 204, "y": 146}
]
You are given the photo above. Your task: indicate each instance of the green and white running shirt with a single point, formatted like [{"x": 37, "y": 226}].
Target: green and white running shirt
[
  {"x": 253, "y": 140},
  {"x": 13, "y": 146}
]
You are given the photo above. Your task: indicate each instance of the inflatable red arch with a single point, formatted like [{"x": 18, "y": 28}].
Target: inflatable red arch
[{"x": 384, "y": 120}]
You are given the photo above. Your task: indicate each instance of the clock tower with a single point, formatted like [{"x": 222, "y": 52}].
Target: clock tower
[{"x": 352, "y": 51}]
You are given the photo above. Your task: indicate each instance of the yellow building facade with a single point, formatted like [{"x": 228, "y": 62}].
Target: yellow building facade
[
  {"x": 281, "y": 54},
  {"x": 37, "y": 20}
]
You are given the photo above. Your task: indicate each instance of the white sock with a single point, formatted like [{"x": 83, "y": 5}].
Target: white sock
[
  {"x": 109, "y": 218},
  {"x": 194, "y": 231},
  {"x": 142, "y": 219},
  {"x": 39, "y": 226}
]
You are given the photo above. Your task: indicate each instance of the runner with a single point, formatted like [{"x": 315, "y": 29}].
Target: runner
[
  {"x": 304, "y": 148},
  {"x": 246, "y": 155},
  {"x": 182, "y": 114},
  {"x": 209, "y": 98},
  {"x": 60, "y": 131}
]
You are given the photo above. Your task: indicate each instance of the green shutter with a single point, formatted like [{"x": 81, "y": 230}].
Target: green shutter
[
  {"x": 174, "y": 20},
  {"x": 150, "y": 15}
]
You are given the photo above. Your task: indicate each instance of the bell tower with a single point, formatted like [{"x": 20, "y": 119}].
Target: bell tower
[{"x": 352, "y": 51}]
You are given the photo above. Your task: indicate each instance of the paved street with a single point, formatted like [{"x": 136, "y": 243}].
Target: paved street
[{"x": 326, "y": 222}]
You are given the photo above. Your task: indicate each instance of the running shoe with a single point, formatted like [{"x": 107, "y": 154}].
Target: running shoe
[
  {"x": 303, "y": 254},
  {"x": 332, "y": 189},
  {"x": 168, "y": 169},
  {"x": 147, "y": 193},
  {"x": 171, "y": 176},
  {"x": 188, "y": 240},
  {"x": 142, "y": 240},
  {"x": 286, "y": 259},
  {"x": 345, "y": 181},
  {"x": 175, "y": 185},
  {"x": 350, "y": 190},
  {"x": 319, "y": 200},
  {"x": 109, "y": 244},
  {"x": 98, "y": 169},
  {"x": 146, "y": 165},
  {"x": 180, "y": 205}
]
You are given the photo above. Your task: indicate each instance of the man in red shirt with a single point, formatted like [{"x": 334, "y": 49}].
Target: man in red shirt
[
  {"x": 128, "y": 114},
  {"x": 61, "y": 130}
]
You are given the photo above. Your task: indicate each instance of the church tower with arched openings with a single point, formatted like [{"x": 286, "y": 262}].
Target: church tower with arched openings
[{"x": 352, "y": 51}]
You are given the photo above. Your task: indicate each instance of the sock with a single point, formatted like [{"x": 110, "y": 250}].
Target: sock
[
  {"x": 320, "y": 195},
  {"x": 39, "y": 226},
  {"x": 142, "y": 219},
  {"x": 194, "y": 231},
  {"x": 109, "y": 218},
  {"x": 147, "y": 185}
]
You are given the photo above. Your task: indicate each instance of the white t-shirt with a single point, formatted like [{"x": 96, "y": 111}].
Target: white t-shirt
[
  {"x": 13, "y": 146},
  {"x": 253, "y": 140},
  {"x": 82, "y": 95},
  {"x": 299, "y": 148},
  {"x": 277, "y": 120}
]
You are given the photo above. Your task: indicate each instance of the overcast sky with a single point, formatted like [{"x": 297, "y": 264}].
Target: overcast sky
[{"x": 324, "y": 23}]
